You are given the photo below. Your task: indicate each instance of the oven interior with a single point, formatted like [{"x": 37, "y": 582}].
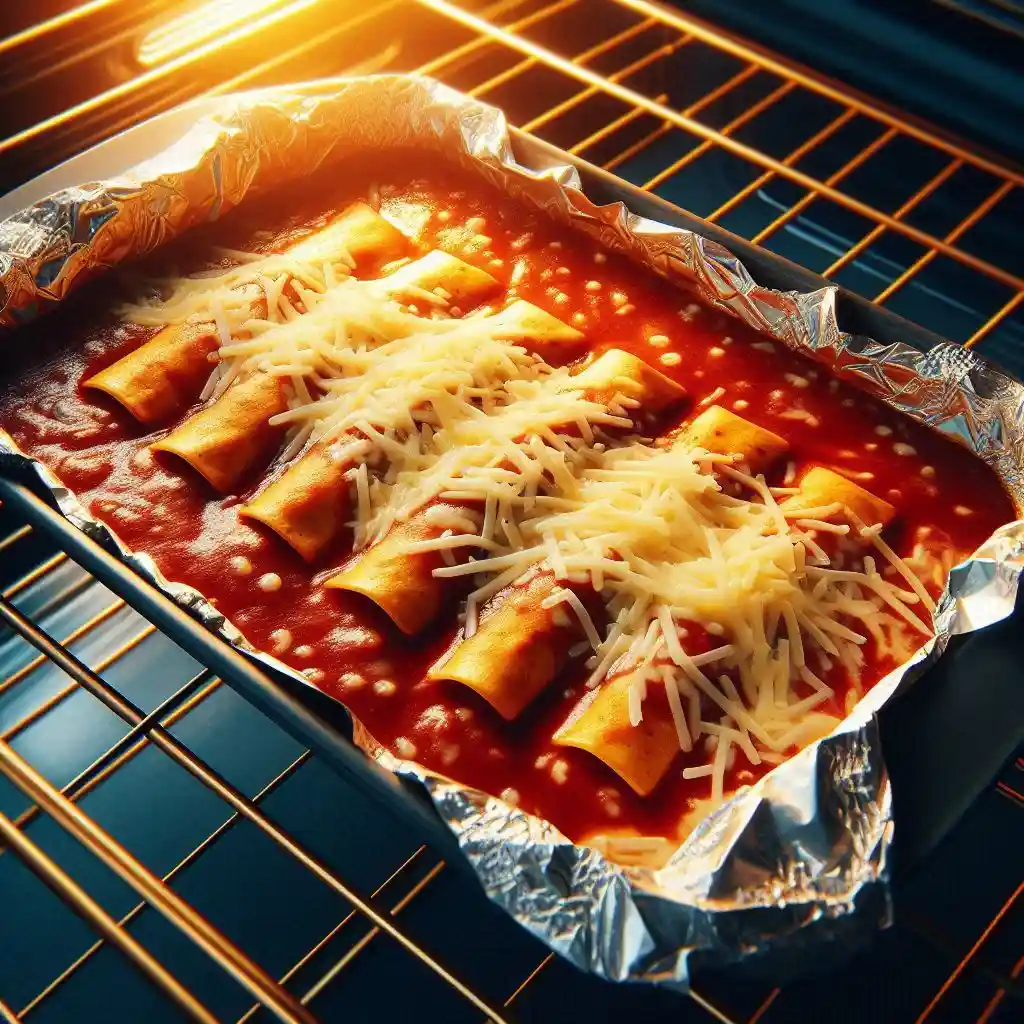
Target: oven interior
[{"x": 166, "y": 850}]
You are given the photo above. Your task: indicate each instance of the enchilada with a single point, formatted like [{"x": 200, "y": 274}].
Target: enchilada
[
  {"x": 225, "y": 441},
  {"x": 165, "y": 375},
  {"x": 306, "y": 506},
  {"x": 641, "y": 752},
  {"x": 402, "y": 577},
  {"x": 537, "y": 623}
]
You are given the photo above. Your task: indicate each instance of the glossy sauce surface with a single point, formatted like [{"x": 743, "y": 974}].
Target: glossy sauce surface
[{"x": 946, "y": 498}]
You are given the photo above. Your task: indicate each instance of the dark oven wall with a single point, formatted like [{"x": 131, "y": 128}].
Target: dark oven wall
[{"x": 958, "y": 63}]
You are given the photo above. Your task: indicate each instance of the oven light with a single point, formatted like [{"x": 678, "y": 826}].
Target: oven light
[{"x": 200, "y": 24}]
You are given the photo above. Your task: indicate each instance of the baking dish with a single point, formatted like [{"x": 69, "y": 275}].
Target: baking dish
[{"x": 886, "y": 327}]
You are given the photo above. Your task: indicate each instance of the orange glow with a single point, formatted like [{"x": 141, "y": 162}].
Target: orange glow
[{"x": 200, "y": 24}]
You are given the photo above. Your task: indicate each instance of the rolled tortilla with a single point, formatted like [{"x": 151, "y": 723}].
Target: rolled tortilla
[
  {"x": 465, "y": 284},
  {"x": 722, "y": 432},
  {"x": 225, "y": 441},
  {"x": 401, "y": 582},
  {"x": 639, "y": 754},
  {"x": 523, "y": 321},
  {"x": 306, "y": 506},
  {"x": 518, "y": 647},
  {"x": 164, "y": 376},
  {"x": 412, "y": 595},
  {"x": 820, "y": 487},
  {"x": 358, "y": 232},
  {"x": 618, "y": 374}
]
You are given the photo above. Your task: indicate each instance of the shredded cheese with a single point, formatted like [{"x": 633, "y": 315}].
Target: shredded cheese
[
  {"x": 297, "y": 316},
  {"x": 671, "y": 547},
  {"x": 254, "y": 282},
  {"x": 520, "y": 471}
]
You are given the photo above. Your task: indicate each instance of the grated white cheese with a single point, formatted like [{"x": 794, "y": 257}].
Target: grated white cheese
[
  {"x": 669, "y": 547},
  {"x": 435, "y": 408},
  {"x": 296, "y": 318}
]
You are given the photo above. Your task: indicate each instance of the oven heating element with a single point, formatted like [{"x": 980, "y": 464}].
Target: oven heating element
[{"x": 217, "y": 870}]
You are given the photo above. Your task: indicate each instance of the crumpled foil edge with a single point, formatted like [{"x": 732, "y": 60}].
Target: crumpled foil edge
[{"x": 783, "y": 863}]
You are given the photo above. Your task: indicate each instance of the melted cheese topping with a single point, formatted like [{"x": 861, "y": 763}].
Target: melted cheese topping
[
  {"x": 290, "y": 340},
  {"x": 656, "y": 534},
  {"x": 294, "y": 319},
  {"x": 350, "y": 317},
  {"x": 227, "y": 295},
  {"x": 451, "y": 408},
  {"x": 463, "y": 415},
  {"x": 448, "y": 409}
]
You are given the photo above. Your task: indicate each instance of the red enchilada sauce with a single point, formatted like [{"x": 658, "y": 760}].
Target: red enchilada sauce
[{"x": 947, "y": 499}]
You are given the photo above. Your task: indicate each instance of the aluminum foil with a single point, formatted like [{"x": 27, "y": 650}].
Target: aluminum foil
[{"x": 782, "y": 864}]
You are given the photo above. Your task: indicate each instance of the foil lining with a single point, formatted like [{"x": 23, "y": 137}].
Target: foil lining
[{"x": 798, "y": 858}]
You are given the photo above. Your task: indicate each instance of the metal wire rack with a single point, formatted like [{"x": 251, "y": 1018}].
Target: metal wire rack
[{"x": 132, "y": 780}]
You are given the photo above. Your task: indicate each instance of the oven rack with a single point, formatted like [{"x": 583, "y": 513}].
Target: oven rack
[{"x": 132, "y": 779}]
